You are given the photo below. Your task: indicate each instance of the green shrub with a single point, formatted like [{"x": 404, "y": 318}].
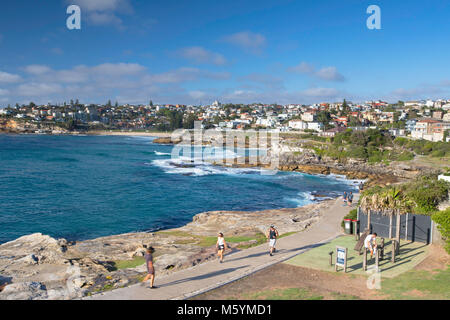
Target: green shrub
[{"x": 442, "y": 218}]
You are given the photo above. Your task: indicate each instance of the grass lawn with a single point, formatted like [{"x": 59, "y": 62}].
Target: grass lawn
[
  {"x": 411, "y": 253},
  {"x": 418, "y": 284},
  {"x": 283, "y": 294},
  {"x": 125, "y": 264}
]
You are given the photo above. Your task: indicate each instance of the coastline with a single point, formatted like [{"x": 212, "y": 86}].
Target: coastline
[{"x": 37, "y": 258}]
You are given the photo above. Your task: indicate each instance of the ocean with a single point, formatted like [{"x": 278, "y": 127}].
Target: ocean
[{"x": 84, "y": 187}]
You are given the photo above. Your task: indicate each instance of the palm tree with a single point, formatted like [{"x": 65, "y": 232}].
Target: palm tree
[{"x": 391, "y": 201}]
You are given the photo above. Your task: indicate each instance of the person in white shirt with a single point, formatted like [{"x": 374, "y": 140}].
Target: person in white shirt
[
  {"x": 371, "y": 243},
  {"x": 221, "y": 245}
]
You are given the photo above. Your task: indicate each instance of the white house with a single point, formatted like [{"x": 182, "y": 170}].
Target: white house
[
  {"x": 316, "y": 126},
  {"x": 298, "y": 124}
]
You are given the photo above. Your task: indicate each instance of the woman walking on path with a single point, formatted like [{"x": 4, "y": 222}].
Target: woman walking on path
[
  {"x": 221, "y": 244},
  {"x": 345, "y": 198},
  {"x": 272, "y": 235},
  {"x": 150, "y": 269}
]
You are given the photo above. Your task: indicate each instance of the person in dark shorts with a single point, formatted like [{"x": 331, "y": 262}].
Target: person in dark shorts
[
  {"x": 350, "y": 198},
  {"x": 345, "y": 198},
  {"x": 272, "y": 235},
  {"x": 150, "y": 269},
  {"x": 221, "y": 244}
]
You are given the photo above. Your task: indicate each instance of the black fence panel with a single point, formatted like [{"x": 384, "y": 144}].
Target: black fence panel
[{"x": 417, "y": 227}]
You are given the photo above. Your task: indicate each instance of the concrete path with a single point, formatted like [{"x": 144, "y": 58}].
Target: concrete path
[{"x": 210, "y": 275}]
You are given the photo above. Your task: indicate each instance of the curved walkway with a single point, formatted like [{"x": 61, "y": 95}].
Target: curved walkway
[{"x": 210, "y": 275}]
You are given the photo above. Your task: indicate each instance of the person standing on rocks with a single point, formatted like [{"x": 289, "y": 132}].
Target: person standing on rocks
[
  {"x": 221, "y": 244},
  {"x": 150, "y": 269},
  {"x": 272, "y": 235}
]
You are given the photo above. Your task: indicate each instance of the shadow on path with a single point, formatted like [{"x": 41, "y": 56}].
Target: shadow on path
[{"x": 204, "y": 276}]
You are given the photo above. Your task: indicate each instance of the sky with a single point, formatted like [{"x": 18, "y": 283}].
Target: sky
[{"x": 195, "y": 52}]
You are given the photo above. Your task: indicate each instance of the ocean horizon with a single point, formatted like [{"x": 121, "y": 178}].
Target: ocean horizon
[{"x": 85, "y": 187}]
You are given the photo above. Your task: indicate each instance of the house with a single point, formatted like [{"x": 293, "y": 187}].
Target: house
[
  {"x": 437, "y": 115},
  {"x": 308, "y": 116},
  {"x": 332, "y": 132},
  {"x": 424, "y": 130},
  {"x": 298, "y": 124},
  {"x": 316, "y": 126},
  {"x": 410, "y": 125}
]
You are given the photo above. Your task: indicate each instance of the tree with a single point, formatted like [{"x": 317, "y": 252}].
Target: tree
[
  {"x": 189, "y": 122},
  {"x": 151, "y": 103},
  {"x": 77, "y": 102},
  {"x": 345, "y": 107},
  {"x": 108, "y": 104}
]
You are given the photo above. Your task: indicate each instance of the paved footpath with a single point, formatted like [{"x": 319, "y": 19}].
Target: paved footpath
[{"x": 210, "y": 275}]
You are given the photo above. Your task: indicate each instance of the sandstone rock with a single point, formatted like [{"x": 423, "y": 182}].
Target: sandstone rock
[
  {"x": 29, "y": 259},
  {"x": 24, "y": 291}
]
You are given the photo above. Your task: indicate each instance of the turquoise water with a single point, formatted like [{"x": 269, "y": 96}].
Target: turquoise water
[{"x": 83, "y": 187}]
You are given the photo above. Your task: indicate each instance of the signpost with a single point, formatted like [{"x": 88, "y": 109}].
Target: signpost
[{"x": 341, "y": 258}]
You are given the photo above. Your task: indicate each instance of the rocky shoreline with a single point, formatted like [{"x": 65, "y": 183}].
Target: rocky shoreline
[{"x": 38, "y": 266}]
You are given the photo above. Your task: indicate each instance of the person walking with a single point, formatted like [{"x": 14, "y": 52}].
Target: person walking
[
  {"x": 345, "y": 198},
  {"x": 350, "y": 199},
  {"x": 221, "y": 244},
  {"x": 272, "y": 235},
  {"x": 361, "y": 187},
  {"x": 150, "y": 269}
]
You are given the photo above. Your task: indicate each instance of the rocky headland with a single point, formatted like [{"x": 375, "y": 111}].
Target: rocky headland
[{"x": 38, "y": 266}]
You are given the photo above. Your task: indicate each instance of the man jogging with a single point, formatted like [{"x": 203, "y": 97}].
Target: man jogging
[{"x": 272, "y": 235}]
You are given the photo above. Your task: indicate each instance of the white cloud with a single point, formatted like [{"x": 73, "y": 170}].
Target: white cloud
[
  {"x": 34, "y": 89},
  {"x": 326, "y": 73},
  {"x": 6, "y": 77},
  {"x": 200, "y": 55},
  {"x": 330, "y": 74},
  {"x": 303, "y": 67},
  {"x": 197, "y": 94},
  {"x": 185, "y": 74},
  {"x": 37, "y": 69},
  {"x": 247, "y": 40},
  {"x": 321, "y": 93},
  {"x": 268, "y": 81},
  {"x": 118, "y": 69},
  {"x": 4, "y": 92}
]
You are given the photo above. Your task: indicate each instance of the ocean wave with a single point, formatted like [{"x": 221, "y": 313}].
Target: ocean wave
[
  {"x": 199, "y": 168},
  {"x": 162, "y": 153},
  {"x": 304, "y": 198}
]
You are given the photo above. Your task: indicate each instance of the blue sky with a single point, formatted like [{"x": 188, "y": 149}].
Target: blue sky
[{"x": 197, "y": 51}]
